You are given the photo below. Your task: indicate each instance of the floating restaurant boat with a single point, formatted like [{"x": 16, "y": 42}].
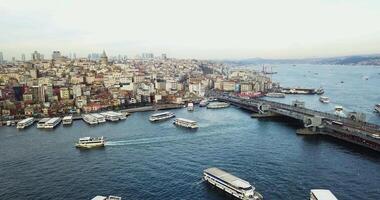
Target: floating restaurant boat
[
  {"x": 185, "y": 123},
  {"x": 89, "y": 119},
  {"x": 275, "y": 95},
  {"x": 190, "y": 106},
  {"x": 42, "y": 122},
  {"x": 324, "y": 99},
  {"x": 100, "y": 118},
  {"x": 106, "y": 198},
  {"x": 25, "y": 123},
  {"x": 377, "y": 108},
  {"x": 90, "y": 142},
  {"x": 53, "y": 122},
  {"x": 161, "y": 116},
  {"x": 216, "y": 105},
  {"x": 203, "y": 103},
  {"x": 321, "y": 194},
  {"x": 67, "y": 120},
  {"x": 231, "y": 184}
]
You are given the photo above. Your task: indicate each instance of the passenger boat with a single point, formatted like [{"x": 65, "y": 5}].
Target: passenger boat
[
  {"x": 275, "y": 95},
  {"x": 25, "y": 123},
  {"x": 339, "y": 111},
  {"x": 53, "y": 122},
  {"x": 161, "y": 116},
  {"x": 41, "y": 123},
  {"x": 321, "y": 194},
  {"x": 324, "y": 99},
  {"x": 190, "y": 106},
  {"x": 106, "y": 198},
  {"x": 90, "y": 142},
  {"x": 99, "y": 118},
  {"x": 89, "y": 119},
  {"x": 185, "y": 123},
  {"x": 113, "y": 116},
  {"x": 216, "y": 105},
  {"x": 377, "y": 108},
  {"x": 231, "y": 184},
  {"x": 67, "y": 120},
  {"x": 203, "y": 103}
]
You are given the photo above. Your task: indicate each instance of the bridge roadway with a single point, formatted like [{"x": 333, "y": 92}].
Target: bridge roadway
[{"x": 358, "y": 132}]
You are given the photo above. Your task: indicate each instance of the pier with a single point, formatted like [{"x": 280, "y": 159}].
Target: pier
[{"x": 352, "y": 128}]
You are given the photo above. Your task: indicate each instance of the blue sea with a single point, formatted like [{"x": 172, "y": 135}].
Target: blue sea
[{"x": 144, "y": 160}]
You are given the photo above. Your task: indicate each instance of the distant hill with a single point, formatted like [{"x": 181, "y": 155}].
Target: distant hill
[{"x": 343, "y": 60}]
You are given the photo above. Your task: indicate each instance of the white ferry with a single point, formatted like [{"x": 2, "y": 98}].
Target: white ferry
[
  {"x": 89, "y": 119},
  {"x": 99, "y": 118},
  {"x": 231, "y": 184},
  {"x": 185, "y": 123},
  {"x": 25, "y": 123},
  {"x": 190, "y": 106},
  {"x": 106, "y": 198},
  {"x": 275, "y": 95},
  {"x": 161, "y": 116},
  {"x": 67, "y": 120},
  {"x": 216, "y": 105},
  {"x": 90, "y": 142},
  {"x": 119, "y": 115},
  {"x": 53, "y": 122},
  {"x": 339, "y": 111},
  {"x": 42, "y": 122},
  {"x": 111, "y": 116},
  {"x": 324, "y": 99},
  {"x": 321, "y": 194}
]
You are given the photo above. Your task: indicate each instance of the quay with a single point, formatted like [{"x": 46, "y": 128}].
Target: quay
[{"x": 352, "y": 128}]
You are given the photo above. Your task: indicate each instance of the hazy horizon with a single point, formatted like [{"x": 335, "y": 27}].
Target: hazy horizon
[{"x": 191, "y": 29}]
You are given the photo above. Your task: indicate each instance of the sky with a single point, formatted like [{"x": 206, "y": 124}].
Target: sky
[{"x": 204, "y": 29}]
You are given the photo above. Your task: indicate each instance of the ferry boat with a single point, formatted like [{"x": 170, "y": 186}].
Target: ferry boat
[
  {"x": 25, "y": 123},
  {"x": 216, "y": 105},
  {"x": 377, "y": 108},
  {"x": 106, "y": 198},
  {"x": 112, "y": 116},
  {"x": 321, "y": 194},
  {"x": 324, "y": 99},
  {"x": 161, "y": 116},
  {"x": 53, "y": 122},
  {"x": 89, "y": 119},
  {"x": 99, "y": 118},
  {"x": 339, "y": 111},
  {"x": 231, "y": 184},
  {"x": 275, "y": 95},
  {"x": 67, "y": 120},
  {"x": 90, "y": 142},
  {"x": 185, "y": 123},
  {"x": 41, "y": 123},
  {"x": 190, "y": 106},
  {"x": 203, "y": 103}
]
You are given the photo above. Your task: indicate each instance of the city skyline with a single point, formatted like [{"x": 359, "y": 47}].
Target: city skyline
[{"x": 196, "y": 29}]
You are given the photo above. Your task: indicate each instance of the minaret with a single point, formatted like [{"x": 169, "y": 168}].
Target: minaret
[{"x": 104, "y": 58}]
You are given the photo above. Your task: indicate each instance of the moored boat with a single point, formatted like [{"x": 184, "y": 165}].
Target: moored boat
[
  {"x": 90, "y": 142},
  {"x": 41, "y": 122},
  {"x": 275, "y": 95},
  {"x": 216, "y": 105},
  {"x": 203, "y": 103},
  {"x": 161, "y": 116},
  {"x": 190, "y": 106},
  {"x": 231, "y": 184},
  {"x": 321, "y": 194},
  {"x": 25, "y": 123},
  {"x": 185, "y": 123},
  {"x": 67, "y": 120},
  {"x": 324, "y": 99},
  {"x": 53, "y": 122},
  {"x": 89, "y": 119}
]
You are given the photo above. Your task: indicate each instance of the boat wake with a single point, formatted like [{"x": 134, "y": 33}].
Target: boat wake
[{"x": 143, "y": 141}]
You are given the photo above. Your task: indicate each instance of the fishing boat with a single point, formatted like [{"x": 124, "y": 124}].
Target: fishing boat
[
  {"x": 324, "y": 99},
  {"x": 231, "y": 184},
  {"x": 90, "y": 142}
]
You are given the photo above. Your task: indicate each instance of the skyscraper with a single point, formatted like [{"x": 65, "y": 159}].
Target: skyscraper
[
  {"x": 23, "y": 57},
  {"x": 36, "y": 56},
  {"x": 1, "y": 58}
]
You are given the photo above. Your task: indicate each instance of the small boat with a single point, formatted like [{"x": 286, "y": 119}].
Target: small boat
[
  {"x": 67, "y": 120},
  {"x": 90, "y": 142},
  {"x": 231, "y": 184},
  {"x": 106, "y": 198},
  {"x": 203, "y": 103},
  {"x": 377, "y": 108},
  {"x": 324, "y": 99},
  {"x": 185, "y": 123},
  {"x": 161, "y": 116},
  {"x": 216, "y": 105},
  {"x": 275, "y": 95},
  {"x": 339, "y": 111},
  {"x": 190, "y": 106},
  {"x": 321, "y": 194}
]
